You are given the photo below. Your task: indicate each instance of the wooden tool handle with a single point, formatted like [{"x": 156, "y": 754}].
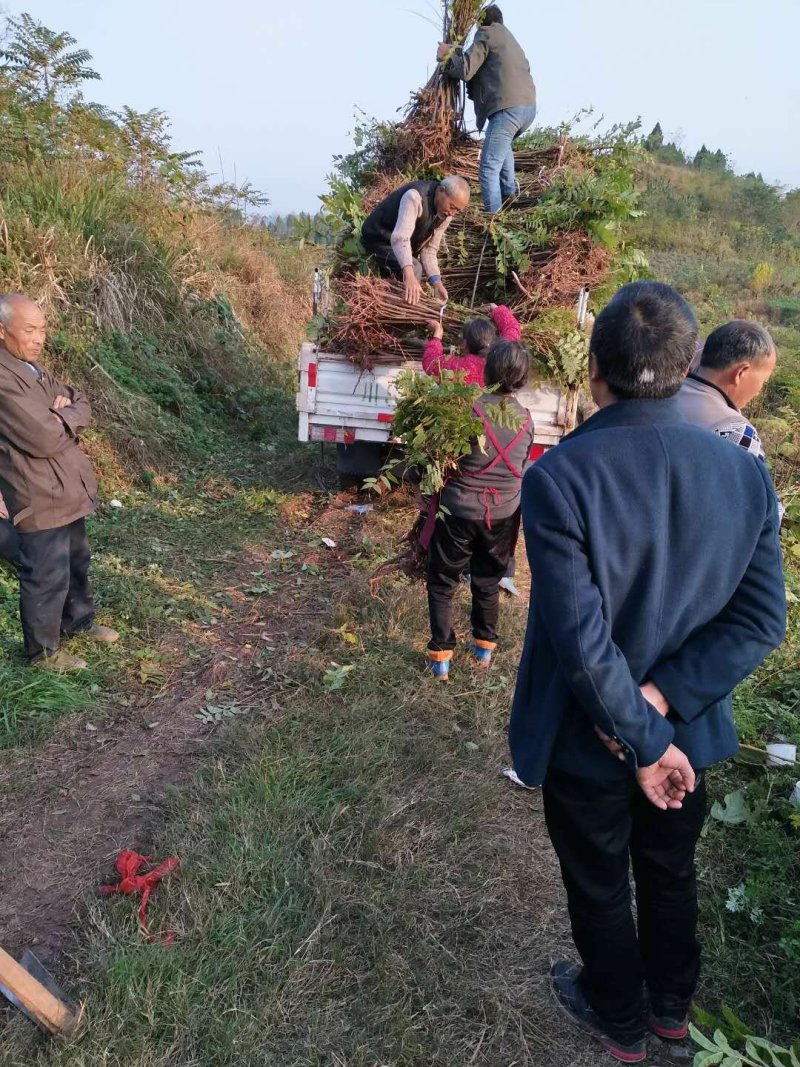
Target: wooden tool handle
[{"x": 46, "y": 1009}]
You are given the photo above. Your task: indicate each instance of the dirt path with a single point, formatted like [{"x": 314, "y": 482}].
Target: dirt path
[{"x": 71, "y": 805}]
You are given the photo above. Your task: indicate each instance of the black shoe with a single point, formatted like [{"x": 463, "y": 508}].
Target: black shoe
[
  {"x": 670, "y": 1027},
  {"x": 565, "y": 983}
]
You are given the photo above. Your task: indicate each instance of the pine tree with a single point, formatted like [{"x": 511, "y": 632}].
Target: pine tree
[{"x": 655, "y": 139}]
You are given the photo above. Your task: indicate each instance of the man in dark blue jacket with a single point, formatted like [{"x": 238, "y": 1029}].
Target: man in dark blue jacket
[{"x": 657, "y": 587}]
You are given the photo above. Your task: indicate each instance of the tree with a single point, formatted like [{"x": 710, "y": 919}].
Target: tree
[
  {"x": 42, "y": 110},
  {"x": 705, "y": 159},
  {"x": 148, "y": 155},
  {"x": 790, "y": 211},
  {"x": 655, "y": 139},
  {"x": 758, "y": 202},
  {"x": 42, "y": 63}
]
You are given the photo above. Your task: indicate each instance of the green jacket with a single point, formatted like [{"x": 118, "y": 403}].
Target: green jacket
[{"x": 496, "y": 71}]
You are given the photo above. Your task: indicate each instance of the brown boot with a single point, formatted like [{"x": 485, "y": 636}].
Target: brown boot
[
  {"x": 104, "y": 634},
  {"x": 61, "y": 662}
]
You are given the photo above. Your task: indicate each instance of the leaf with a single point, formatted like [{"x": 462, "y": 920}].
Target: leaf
[
  {"x": 336, "y": 675},
  {"x": 700, "y": 1039},
  {"x": 721, "y": 1041},
  {"x": 736, "y": 1026},
  {"x": 735, "y": 810},
  {"x": 150, "y": 672},
  {"x": 216, "y": 713},
  {"x": 705, "y": 1059},
  {"x": 775, "y": 1051}
]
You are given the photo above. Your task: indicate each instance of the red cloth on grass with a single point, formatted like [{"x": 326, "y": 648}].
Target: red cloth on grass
[{"x": 128, "y": 865}]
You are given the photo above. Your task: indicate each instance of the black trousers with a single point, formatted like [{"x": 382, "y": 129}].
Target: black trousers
[
  {"x": 597, "y": 829},
  {"x": 388, "y": 266},
  {"x": 9, "y": 543},
  {"x": 54, "y": 593},
  {"x": 467, "y": 544}
]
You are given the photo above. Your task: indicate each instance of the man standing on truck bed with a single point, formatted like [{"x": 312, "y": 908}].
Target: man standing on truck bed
[
  {"x": 404, "y": 231},
  {"x": 500, "y": 85}
]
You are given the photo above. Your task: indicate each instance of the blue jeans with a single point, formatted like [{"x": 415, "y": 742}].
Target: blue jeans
[{"x": 497, "y": 176}]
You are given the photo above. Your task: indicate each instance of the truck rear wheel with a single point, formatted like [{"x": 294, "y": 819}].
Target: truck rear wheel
[{"x": 362, "y": 459}]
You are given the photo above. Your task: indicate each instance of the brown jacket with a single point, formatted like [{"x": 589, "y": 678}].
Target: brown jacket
[{"x": 45, "y": 478}]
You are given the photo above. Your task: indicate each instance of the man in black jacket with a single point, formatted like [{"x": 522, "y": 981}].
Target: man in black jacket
[
  {"x": 404, "y": 231},
  {"x": 499, "y": 82}
]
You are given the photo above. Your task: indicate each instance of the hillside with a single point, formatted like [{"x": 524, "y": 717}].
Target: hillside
[{"x": 359, "y": 884}]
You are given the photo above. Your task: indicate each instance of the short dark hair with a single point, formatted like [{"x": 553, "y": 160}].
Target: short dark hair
[
  {"x": 738, "y": 341},
  {"x": 491, "y": 15},
  {"x": 507, "y": 366},
  {"x": 479, "y": 336},
  {"x": 643, "y": 341}
]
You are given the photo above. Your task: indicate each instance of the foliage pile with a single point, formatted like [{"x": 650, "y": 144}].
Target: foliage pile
[
  {"x": 165, "y": 302},
  {"x": 563, "y": 232}
]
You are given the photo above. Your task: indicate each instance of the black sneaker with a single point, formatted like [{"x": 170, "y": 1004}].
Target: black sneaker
[
  {"x": 565, "y": 983},
  {"x": 670, "y": 1027}
]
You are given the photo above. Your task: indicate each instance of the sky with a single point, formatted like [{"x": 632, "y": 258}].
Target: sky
[{"x": 268, "y": 89}]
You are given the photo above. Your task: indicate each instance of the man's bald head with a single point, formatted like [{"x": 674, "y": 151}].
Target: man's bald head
[
  {"x": 452, "y": 195},
  {"x": 22, "y": 326}
]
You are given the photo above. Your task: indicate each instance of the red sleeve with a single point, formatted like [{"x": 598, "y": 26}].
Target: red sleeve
[
  {"x": 507, "y": 326},
  {"x": 432, "y": 356},
  {"x": 434, "y": 362}
]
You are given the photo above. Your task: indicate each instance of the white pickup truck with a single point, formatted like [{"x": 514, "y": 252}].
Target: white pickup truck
[{"x": 354, "y": 409}]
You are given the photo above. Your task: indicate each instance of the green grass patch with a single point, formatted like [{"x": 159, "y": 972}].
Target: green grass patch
[{"x": 346, "y": 881}]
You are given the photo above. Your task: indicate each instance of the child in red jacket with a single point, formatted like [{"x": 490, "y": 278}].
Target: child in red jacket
[{"x": 478, "y": 336}]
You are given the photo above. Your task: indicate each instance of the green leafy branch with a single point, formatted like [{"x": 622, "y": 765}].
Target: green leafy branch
[{"x": 758, "y": 1052}]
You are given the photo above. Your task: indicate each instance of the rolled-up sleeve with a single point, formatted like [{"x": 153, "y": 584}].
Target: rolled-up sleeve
[
  {"x": 407, "y": 216},
  {"x": 429, "y": 255}
]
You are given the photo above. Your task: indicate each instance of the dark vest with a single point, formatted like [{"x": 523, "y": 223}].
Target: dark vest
[{"x": 379, "y": 225}]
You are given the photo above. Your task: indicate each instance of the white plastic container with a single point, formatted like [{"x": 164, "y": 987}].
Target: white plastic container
[
  {"x": 780, "y": 755},
  {"x": 795, "y": 797}
]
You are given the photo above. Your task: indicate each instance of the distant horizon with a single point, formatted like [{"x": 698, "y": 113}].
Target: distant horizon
[{"x": 272, "y": 98}]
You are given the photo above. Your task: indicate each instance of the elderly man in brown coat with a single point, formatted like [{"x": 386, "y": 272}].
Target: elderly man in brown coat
[{"x": 49, "y": 488}]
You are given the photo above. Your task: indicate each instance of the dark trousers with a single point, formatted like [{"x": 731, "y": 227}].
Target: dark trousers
[
  {"x": 54, "y": 593},
  {"x": 9, "y": 543},
  {"x": 467, "y": 544},
  {"x": 597, "y": 829},
  {"x": 388, "y": 266}
]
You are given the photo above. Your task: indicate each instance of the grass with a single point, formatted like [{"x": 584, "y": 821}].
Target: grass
[
  {"x": 350, "y": 891},
  {"x": 157, "y": 563},
  {"x": 359, "y": 885}
]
